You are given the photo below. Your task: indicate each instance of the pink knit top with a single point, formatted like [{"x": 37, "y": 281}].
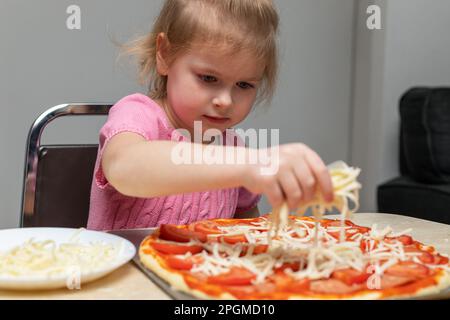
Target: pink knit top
[{"x": 110, "y": 209}]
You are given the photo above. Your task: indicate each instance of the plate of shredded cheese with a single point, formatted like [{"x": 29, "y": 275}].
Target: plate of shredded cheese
[{"x": 50, "y": 258}]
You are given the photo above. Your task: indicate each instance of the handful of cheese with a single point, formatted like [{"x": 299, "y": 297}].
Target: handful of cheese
[{"x": 346, "y": 197}]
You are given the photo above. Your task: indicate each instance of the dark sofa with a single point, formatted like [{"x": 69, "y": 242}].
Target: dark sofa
[{"x": 423, "y": 188}]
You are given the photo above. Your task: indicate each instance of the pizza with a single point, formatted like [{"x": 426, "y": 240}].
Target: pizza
[
  {"x": 305, "y": 259},
  {"x": 283, "y": 256}
]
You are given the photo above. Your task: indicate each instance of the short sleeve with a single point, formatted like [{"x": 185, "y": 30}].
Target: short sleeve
[
  {"x": 247, "y": 200},
  {"x": 135, "y": 113}
]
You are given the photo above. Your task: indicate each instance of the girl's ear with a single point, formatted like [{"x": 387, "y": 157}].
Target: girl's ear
[{"x": 162, "y": 49}]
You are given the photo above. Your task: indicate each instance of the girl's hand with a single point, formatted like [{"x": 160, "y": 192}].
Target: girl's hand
[{"x": 297, "y": 175}]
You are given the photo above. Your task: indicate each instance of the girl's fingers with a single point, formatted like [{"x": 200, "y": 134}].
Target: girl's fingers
[
  {"x": 274, "y": 194},
  {"x": 307, "y": 180},
  {"x": 321, "y": 173},
  {"x": 291, "y": 188}
]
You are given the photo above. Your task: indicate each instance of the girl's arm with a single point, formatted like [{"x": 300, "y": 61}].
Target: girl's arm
[{"x": 140, "y": 168}]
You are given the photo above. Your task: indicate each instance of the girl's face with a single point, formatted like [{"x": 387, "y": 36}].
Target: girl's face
[{"x": 212, "y": 87}]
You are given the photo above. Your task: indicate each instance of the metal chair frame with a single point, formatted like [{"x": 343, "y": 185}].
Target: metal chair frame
[{"x": 34, "y": 144}]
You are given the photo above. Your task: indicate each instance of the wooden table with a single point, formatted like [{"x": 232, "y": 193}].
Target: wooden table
[{"x": 129, "y": 282}]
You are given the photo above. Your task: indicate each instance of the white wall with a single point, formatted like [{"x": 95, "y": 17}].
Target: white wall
[
  {"x": 44, "y": 64},
  {"x": 366, "y": 139},
  {"x": 312, "y": 104},
  {"x": 412, "y": 49}
]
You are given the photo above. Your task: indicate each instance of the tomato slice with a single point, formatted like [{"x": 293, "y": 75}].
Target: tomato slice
[
  {"x": 349, "y": 232},
  {"x": 284, "y": 282},
  {"x": 295, "y": 266},
  {"x": 237, "y": 276},
  {"x": 404, "y": 239},
  {"x": 362, "y": 229},
  {"x": 170, "y": 248},
  {"x": 242, "y": 292},
  {"x": 350, "y": 276},
  {"x": 176, "y": 233},
  {"x": 205, "y": 227},
  {"x": 364, "y": 245},
  {"x": 332, "y": 286},
  {"x": 182, "y": 263},
  {"x": 408, "y": 269},
  {"x": 438, "y": 259},
  {"x": 238, "y": 238},
  {"x": 336, "y": 223},
  {"x": 299, "y": 285},
  {"x": 259, "y": 248},
  {"x": 348, "y": 223},
  {"x": 425, "y": 256},
  {"x": 281, "y": 279},
  {"x": 335, "y": 234}
]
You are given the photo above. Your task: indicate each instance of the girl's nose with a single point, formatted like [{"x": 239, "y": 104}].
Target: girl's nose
[{"x": 223, "y": 100}]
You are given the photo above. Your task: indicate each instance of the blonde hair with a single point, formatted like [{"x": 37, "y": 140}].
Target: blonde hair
[{"x": 234, "y": 25}]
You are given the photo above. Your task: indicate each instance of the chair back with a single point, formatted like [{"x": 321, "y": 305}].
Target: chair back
[{"x": 57, "y": 178}]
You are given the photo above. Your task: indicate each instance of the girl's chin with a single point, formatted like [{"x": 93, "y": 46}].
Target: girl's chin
[
  {"x": 206, "y": 125},
  {"x": 215, "y": 121}
]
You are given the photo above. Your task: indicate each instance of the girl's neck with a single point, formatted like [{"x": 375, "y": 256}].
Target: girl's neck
[{"x": 171, "y": 117}]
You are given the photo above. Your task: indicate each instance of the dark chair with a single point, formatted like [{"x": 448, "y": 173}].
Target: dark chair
[
  {"x": 423, "y": 188},
  {"x": 57, "y": 178}
]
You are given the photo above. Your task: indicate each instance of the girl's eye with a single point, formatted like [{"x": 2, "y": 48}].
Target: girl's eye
[
  {"x": 207, "y": 78},
  {"x": 245, "y": 85}
]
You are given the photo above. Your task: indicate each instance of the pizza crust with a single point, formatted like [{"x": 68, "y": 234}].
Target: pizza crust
[{"x": 443, "y": 282}]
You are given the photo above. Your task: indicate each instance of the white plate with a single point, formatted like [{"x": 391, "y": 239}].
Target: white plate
[{"x": 15, "y": 237}]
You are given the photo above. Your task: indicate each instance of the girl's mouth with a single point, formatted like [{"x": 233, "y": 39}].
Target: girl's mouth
[{"x": 216, "y": 119}]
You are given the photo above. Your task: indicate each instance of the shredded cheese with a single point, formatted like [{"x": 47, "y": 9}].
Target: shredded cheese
[
  {"x": 47, "y": 258},
  {"x": 296, "y": 243}
]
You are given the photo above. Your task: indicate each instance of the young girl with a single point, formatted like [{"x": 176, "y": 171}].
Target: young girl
[{"x": 206, "y": 61}]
